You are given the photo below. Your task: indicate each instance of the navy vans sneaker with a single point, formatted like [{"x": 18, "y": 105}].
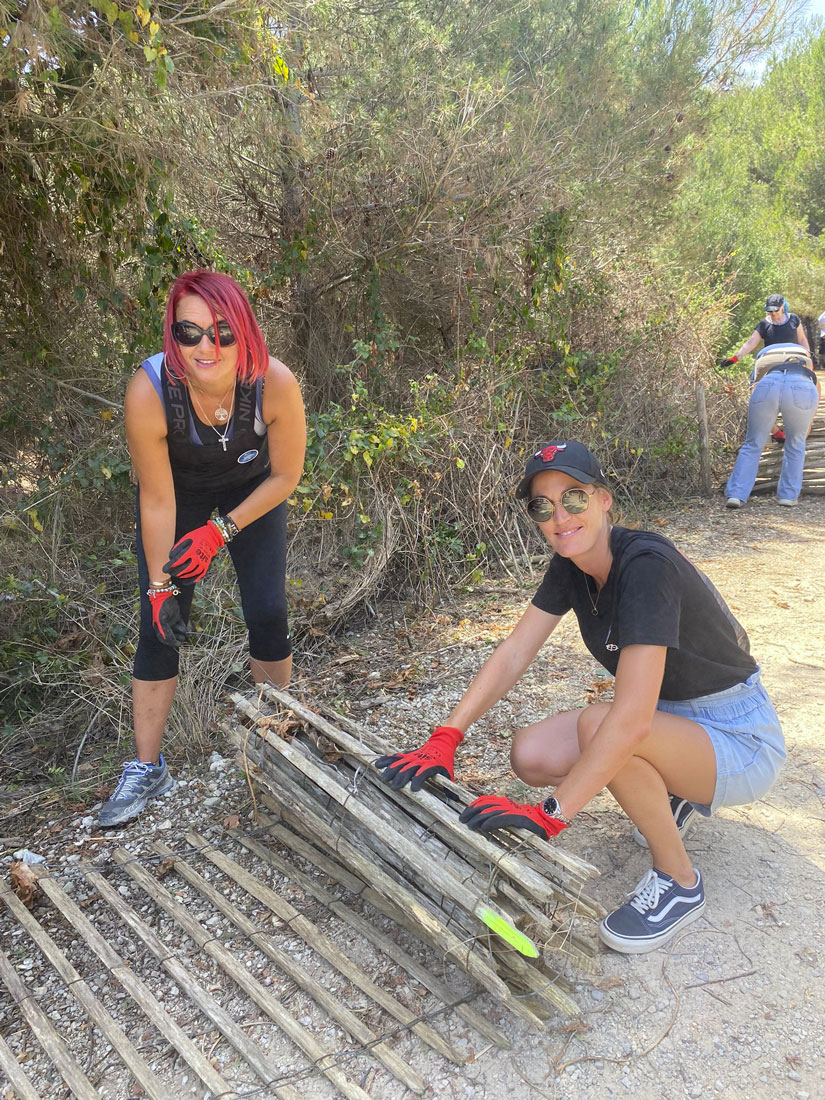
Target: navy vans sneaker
[
  {"x": 659, "y": 908},
  {"x": 684, "y": 815},
  {"x": 138, "y": 783}
]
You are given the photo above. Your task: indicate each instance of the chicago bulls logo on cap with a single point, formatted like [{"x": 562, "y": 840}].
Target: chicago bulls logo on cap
[{"x": 547, "y": 454}]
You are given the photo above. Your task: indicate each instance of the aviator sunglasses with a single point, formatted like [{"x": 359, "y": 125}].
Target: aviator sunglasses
[
  {"x": 574, "y": 501},
  {"x": 189, "y": 335}
]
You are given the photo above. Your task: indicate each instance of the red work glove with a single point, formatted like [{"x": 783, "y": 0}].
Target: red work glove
[
  {"x": 167, "y": 620},
  {"x": 491, "y": 812},
  {"x": 189, "y": 558},
  {"x": 778, "y": 436},
  {"x": 436, "y": 757},
  {"x": 729, "y": 362}
]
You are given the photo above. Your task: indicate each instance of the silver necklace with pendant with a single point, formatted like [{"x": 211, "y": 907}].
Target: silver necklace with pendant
[
  {"x": 220, "y": 414},
  {"x": 594, "y": 604}
]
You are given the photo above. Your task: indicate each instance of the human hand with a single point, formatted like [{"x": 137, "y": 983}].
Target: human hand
[
  {"x": 491, "y": 812},
  {"x": 191, "y": 555},
  {"x": 167, "y": 620},
  {"x": 436, "y": 757},
  {"x": 729, "y": 362}
]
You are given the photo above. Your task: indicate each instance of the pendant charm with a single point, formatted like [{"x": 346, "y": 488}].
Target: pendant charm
[
  {"x": 223, "y": 441},
  {"x": 595, "y": 612},
  {"x": 221, "y": 414}
]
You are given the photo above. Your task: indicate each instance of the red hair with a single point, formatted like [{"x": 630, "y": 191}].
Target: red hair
[{"x": 224, "y": 297}]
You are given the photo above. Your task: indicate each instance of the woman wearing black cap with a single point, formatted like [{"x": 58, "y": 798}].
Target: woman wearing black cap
[
  {"x": 690, "y": 726},
  {"x": 788, "y": 386}
]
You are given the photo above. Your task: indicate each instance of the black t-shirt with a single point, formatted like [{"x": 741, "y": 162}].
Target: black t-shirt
[
  {"x": 779, "y": 334},
  {"x": 653, "y": 596}
]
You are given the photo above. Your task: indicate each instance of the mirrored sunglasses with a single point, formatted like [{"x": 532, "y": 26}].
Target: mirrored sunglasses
[
  {"x": 188, "y": 334},
  {"x": 574, "y": 502}
]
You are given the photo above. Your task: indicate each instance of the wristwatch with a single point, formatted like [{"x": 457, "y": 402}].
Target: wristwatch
[{"x": 552, "y": 808}]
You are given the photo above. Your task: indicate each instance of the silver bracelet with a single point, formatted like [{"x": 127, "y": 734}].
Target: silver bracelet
[
  {"x": 169, "y": 586},
  {"x": 227, "y": 527}
]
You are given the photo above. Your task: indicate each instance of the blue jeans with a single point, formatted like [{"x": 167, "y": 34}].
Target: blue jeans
[{"x": 796, "y": 398}]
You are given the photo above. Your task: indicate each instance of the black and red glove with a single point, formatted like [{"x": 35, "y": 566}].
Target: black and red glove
[
  {"x": 778, "y": 436},
  {"x": 167, "y": 620},
  {"x": 436, "y": 757},
  {"x": 191, "y": 555},
  {"x": 729, "y": 362},
  {"x": 491, "y": 812}
]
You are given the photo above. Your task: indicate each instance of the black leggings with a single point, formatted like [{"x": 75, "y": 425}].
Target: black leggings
[{"x": 259, "y": 556}]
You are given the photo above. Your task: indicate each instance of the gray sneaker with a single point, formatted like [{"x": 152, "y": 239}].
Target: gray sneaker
[
  {"x": 138, "y": 783},
  {"x": 683, "y": 814}
]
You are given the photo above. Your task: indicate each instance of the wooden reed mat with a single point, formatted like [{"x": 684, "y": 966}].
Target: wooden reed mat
[
  {"x": 813, "y": 476},
  {"x": 408, "y": 856}
]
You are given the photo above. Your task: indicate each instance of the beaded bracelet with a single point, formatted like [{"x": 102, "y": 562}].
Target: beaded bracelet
[
  {"x": 227, "y": 527},
  {"x": 168, "y": 587}
]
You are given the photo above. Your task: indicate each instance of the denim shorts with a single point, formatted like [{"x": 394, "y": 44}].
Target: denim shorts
[{"x": 746, "y": 736}]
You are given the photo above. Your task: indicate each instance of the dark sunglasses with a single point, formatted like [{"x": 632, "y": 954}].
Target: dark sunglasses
[
  {"x": 574, "y": 501},
  {"x": 188, "y": 334}
]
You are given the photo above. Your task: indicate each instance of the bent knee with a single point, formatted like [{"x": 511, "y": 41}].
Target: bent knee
[{"x": 529, "y": 760}]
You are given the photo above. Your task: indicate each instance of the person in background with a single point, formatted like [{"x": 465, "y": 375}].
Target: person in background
[
  {"x": 790, "y": 388},
  {"x": 690, "y": 726},
  {"x": 216, "y": 434},
  {"x": 821, "y": 323}
]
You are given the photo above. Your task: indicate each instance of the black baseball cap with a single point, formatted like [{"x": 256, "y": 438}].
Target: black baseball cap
[
  {"x": 569, "y": 458},
  {"x": 774, "y": 302}
]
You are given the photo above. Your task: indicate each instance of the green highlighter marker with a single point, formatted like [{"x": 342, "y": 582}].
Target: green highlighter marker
[{"x": 508, "y": 931}]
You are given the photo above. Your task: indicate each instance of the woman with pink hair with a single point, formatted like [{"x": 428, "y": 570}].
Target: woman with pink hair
[{"x": 217, "y": 435}]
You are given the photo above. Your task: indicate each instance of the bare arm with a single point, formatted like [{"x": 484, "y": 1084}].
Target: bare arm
[
  {"x": 751, "y": 344},
  {"x": 627, "y": 723},
  {"x": 801, "y": 337},
  {"x": 283, "y": 413},
  {"x": 145, "y": 423},
  {"x": 504, "y": 667}
]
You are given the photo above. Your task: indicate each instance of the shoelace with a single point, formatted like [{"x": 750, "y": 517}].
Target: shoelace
[
  {"x": 647, "y": 892},
  {"x": 133, "y": 772}
]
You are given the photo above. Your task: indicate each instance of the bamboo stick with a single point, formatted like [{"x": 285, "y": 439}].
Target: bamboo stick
[
  {"x": 80, "y": 990},
  {"x": 427, "y": 925},
  {"x": 402, "y": 917},
  {"x": 263, "y": 1066},
  {"x": 292, "y": 839},
  {"x": 379, "y": 939},
  {"x": 323, "y": 946},
  {"x": 472, "y": 845},
  {"x": 481, "y": 852},
  {"x": 319, "y": 993},
  {"x": 45, "y": 1033},
  {"x": 469, "y": 898},
  {"x": 309, "y": 791},
  {"x": 22, "y": 1086},
  {"x": 377, "y": 854},
  {"x": 136, "y": 989},
  {"x": 366, "y": 737},
  {"x": 234, "y": 969}
]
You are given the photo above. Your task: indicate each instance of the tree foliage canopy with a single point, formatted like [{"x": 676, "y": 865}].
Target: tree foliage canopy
[{"x": 467, "y": 226}]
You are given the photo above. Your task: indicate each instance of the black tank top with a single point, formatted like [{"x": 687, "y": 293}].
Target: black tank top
[{"x": 200, "y": 459}]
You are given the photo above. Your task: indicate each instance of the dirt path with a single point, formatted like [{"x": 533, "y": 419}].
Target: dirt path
[{"x": 737, "y": 1005}]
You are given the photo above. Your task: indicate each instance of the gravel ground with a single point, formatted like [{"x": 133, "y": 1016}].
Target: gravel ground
[{"x": 734, "y": 1006}]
